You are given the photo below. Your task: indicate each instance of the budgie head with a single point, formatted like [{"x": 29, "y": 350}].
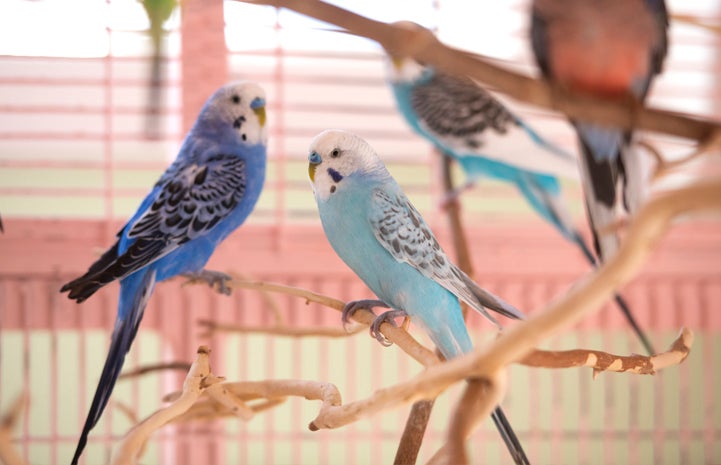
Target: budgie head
[
  {"x": 406, "y": 70},
  {"x": 235, "y": 111},
  {"x": 337, "y": 155}
]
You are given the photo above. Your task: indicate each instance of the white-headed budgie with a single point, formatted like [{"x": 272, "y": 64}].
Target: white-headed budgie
[
  {"x": 373, "y": 227},
  {"x": 203, "y": 196},
  {"x": 467, "y": 123}
]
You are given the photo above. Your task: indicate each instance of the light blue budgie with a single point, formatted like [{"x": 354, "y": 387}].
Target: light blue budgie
[
  {"x": 467, "y": 123},
  {"x": 373, "y": 227},
  {"x": 205, "y": 194}
]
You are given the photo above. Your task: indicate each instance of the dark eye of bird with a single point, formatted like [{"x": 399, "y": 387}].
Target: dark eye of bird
[
  {"x": 335, "y": 153},
  {"x": 236, "y": 98}
]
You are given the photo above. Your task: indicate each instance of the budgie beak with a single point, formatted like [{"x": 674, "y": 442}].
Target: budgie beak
[
  {"x": 397, "y": 63},
  {"x": 258, "y": 107},
  {"x": 313, "y": 161}
]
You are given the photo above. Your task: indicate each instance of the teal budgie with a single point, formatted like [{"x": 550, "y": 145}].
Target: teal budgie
[
  {"x": 203, "y": 196},
  {"x": 467, "y": 123},
  {"x": 374, "y": 228}
]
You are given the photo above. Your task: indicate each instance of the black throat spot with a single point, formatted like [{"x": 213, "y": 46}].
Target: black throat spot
[{"x": 335, "y": 175}]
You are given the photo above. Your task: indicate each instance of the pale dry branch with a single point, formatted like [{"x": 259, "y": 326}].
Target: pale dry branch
[
  {"x": 8, "y": 454},
  {"x": 412, "y": 40},
  {"x": 198, "y": 379},
  {"x": 205, "y": 397},
  {"x": 270, "y": 302},
  {"x": 232, "y": 398},
  {"x": 602, "y": 361},
  {"x": 230, "y": 402},
  {"x": 663, "y": 167},
  {"x": 282, "y": 330},
  {"x": 206, "y": 409},
  {"x": 704, "y": 23},
  {"x": 435, "y": 379},
  {"x": 479, "y": 398},
  {"x": 397, "y": 335},
  {"x": 645, "y": 231},
  {"x": 243, "y": 400}
]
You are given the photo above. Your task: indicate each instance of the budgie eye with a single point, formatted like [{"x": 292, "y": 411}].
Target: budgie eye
[
  {"x": 335, "y": 153},
  {"x": 236, "y": 98}
]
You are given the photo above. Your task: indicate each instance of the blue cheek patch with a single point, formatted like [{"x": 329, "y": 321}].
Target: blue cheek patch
[{"x": 335, "y": 175}]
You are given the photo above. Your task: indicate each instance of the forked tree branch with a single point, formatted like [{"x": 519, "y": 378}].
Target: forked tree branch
[
  {"x": 237, "y": 399},
  {"x": 198, "y": 379}
]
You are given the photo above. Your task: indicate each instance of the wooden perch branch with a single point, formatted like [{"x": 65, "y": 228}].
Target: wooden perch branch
[
  {"x": 482, "y": 394},
  {"x": 8, "y": 454},
  {"x": 283, "y": 330},
  {"x": 231, "y": 398},
  {"x": 205, "y": 396},
  {"x": 199, "y": 378},
  {"x": 644, "y": 232},
  {"x": 479, "y": 398},
  {"x": 396, "y": 335},
  {"x": 602, "y": 361},
  {"x": 415, "y": 41}
]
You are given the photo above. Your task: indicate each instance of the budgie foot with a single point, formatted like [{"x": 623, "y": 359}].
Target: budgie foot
[
  {"x": 451, "y": 197},
  {"x": 215, "y": 279},
  {"x": 385, "y": 317},
  {"x": 355, "y": 305}
]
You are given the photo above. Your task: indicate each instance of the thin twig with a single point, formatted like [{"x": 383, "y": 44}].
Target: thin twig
[
  {"x": 698, "y": 21},
  {"x": 282, "y": 330},
  {"x": 145, "y": 369},
  {"x": 397, "y": 335},
  {"x": 663, "y": 167}
]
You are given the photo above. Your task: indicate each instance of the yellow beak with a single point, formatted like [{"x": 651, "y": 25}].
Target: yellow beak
[
  {"x": 311, "y": 171},
  {"x": 397, "y": 63},
  {"x": 260, "y": 113}
]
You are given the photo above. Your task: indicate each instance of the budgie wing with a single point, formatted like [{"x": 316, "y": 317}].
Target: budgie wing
[
  {"x": 190, "y": 202},
  {"x": 452, "y": 106},
  {"x": 187, "y": 202},
  {"x": 467, "y": 120},
  {"x": 401, "y": 230}
]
